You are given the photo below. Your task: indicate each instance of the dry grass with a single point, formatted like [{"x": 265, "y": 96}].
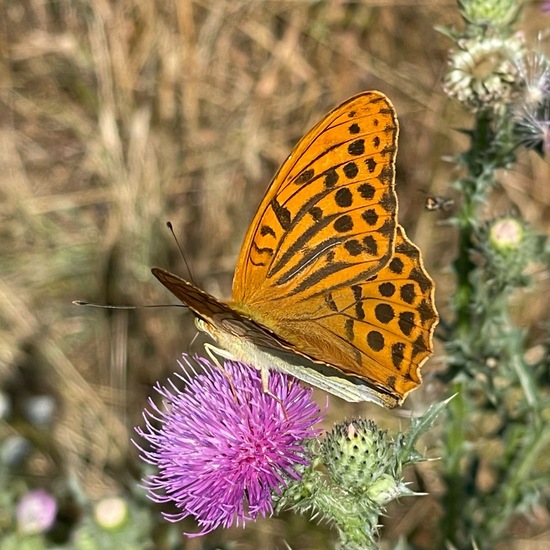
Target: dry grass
[{"x": 117, "y": 116}]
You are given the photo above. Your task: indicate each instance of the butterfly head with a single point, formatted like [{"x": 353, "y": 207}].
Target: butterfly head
[{"x": 204, "y": 326}]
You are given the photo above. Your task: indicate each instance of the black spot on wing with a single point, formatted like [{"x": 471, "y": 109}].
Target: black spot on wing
[
  {"x": 386, "y": 289},
  {"x": 331, "y": 178},
  {"x": 266, "y": 230},
  {"x": 358, "y": 297},
  {"x": 305, "y": 177},
  {"x": 343, "y": 224},
  {"x": 366, "y": 190},
  {"x": 316, "y": 213},
  {"x": 265, "y": 250},
  {"x": 357, "y": 147},
  {"x": 329, "y": 300},
  {"x": 353, "y": 247},
  {"x": 406, "y": 322},
  {"x": 351, "y": 170},
  {"x": 370, "y": 216},
  {"x": 384, "y": 313},
  {"x": 370, "y": 244},
  {"x": 396, "y": 266},
  {"x": 343, "y": 197},
  {"x": 348, "y": 327},
  {"x": 407, "y": 293},
  {"x": 282, "y": 214},
  {"x": 375, "y": 340},
  {"x": 397, "y": 356},
  {"x": 370, "y": 164}
]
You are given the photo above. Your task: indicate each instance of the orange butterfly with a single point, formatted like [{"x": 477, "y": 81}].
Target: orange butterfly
[{"x": 327, "y": 286}]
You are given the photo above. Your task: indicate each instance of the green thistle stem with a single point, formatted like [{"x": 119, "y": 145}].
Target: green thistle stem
[
  {"x": 454, "y": 498},
  {"x": 517, "y": 477},
  {"x": 475, "y": 186},
  {"x": 483, "y": 331},
  {"x": 463, "y": 268}
]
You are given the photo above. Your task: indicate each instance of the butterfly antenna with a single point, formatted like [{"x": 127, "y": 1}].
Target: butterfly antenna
[
  {"x": 194, "y": 339},
  {"x": 182, "y": 251},
  {"x": 107, "y": 306}
]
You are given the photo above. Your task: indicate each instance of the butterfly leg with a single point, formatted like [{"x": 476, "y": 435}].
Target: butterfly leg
[
  {"x": 213, "y": 352},
  {"x": 265, "y": 387}
]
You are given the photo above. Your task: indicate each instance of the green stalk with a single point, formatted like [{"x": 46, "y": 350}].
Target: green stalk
[
  {"x": 454, "y": 498},
  {"x": 474, "y": 187}
]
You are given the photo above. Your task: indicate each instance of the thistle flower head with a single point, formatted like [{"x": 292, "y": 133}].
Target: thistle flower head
[
  {"x": 365, "y": 460},
  {"x": 36, "y": 512},
  {"x": 111, "y": 513},
  {"x": 224, "y": 444},
  {"x": 490, "y": 13},
  {"x": 483, "y": 73},
  {"x": 509, "y": 247},
  {"x": 532, "y": 108},
  {"x": 506, "y": 234}
]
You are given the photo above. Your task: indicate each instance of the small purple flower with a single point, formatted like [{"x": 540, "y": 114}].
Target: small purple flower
[
  {"x": 224, "y": 445},
  {"x": 36, "y": 512}
]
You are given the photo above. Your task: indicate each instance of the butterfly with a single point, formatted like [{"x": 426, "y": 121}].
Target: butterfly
[{"x": 327, "y": 287}]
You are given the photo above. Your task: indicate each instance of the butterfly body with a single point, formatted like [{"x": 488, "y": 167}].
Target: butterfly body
[
  {"x": 243, "y": 339},
  {"x": 328, "y": 287}
]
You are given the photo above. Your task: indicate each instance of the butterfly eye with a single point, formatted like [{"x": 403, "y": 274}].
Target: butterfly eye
[{"x": 202, "y": 325}]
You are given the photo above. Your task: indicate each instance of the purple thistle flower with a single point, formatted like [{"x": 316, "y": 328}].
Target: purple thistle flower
[
  {"x": 36, "y": 512},
  {"x": 224, "y": 444}
]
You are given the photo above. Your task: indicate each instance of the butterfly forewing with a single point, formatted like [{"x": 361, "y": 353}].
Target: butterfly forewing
[
  {"x": 202, "y": 304},
  {"x": 329, "y": 215}
]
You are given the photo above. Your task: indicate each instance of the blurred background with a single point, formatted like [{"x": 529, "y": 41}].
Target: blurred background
[{"x": 116, "y": 116}]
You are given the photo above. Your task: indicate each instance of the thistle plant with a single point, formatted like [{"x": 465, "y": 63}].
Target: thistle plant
[
  {"x": 501, "y": 398},
  {"x": 226, "y": 452},
  {"x": 224, "y": 444},
  {"x": 356, "y": 472}
]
